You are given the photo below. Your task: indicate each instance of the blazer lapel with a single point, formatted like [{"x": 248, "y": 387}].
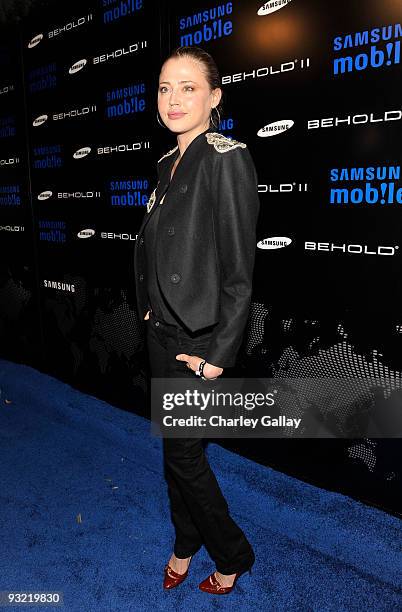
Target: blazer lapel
[
  {"x": 188, "y": 161},
  {"x": 161, "y": 188}
]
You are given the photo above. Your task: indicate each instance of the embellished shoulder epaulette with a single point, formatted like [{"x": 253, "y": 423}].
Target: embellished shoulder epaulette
[
  {"x": 222, "y": 143},
  {"x": 168, "y": 153}
]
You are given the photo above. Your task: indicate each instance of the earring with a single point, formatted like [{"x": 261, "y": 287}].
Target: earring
[
  {"x": 219, "y": 118},
  {"x": 158, "y": 120}
]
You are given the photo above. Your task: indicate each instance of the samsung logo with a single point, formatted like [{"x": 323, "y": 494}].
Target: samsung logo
[
  {"x": 77, "y": 66},
  {"x": 45, "y": 195},
  {"x": 35, "y": 41},
  {"x": 86, "y": 233},
  {"x": 39, "y": 120},
  {"x": 83, "y": 152},
  {"x": 53, "y": 284},
  {"x": 276, "y": 242},
  {"x": 272, "y": 6},
  {"x": 277, "y": 127}
]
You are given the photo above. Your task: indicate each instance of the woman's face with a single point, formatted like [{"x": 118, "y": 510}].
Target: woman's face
[{"x": 184, "y": 96}]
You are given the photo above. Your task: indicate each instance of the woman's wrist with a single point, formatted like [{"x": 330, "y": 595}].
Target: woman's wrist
[{"x": 209, "y": 368}]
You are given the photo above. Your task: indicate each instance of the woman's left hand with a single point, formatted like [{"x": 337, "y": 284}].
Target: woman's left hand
[{"x": 193, "y": 362}]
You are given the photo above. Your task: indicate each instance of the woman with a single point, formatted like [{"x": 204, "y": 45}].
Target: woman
[{"x": 194, "y": 258}]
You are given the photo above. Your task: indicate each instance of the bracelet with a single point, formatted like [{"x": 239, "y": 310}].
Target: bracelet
[{"x": 200, "y": 371}]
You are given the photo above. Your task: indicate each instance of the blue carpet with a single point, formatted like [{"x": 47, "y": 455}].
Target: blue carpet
[{"x": 65, "y": 454}]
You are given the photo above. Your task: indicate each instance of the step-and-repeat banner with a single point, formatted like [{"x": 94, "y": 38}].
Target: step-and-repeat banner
[{"x": 311, "y": 87}]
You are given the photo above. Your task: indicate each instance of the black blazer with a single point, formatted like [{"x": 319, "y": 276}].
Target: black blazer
[{"x": 206, "y": 240}]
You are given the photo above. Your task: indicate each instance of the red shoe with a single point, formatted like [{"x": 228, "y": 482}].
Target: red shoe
[
  {"x": 173, "y": 579},
  {"x": 211, "y": 584}
]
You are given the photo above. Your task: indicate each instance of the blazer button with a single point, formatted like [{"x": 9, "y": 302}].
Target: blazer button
[
  {"x": 183, "y": 188},
  {"x": 141, "y": 277},
  {"x": 175, "y": 278},
  {"x": 170, "y": 231}
]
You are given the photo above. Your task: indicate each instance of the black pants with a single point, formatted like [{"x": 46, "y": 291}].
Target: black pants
[{"x": 199, "y": 511}]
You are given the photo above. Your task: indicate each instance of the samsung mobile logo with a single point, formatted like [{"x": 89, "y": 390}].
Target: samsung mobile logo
[
  {"x": 86, "y": 233},
  {"x": 45, "y": 195},
  {"x": 35, "y": 41},
  {"x": 272, "y": 6},
  {"x": 353, "y": 249},
  {"x": 39, "y": 120},
  {"x": 276, "y": 242},
  {"x": 77, "y": 66},
  {"x": 83, "y": 152},
  {"x": 277, "y": 127}
]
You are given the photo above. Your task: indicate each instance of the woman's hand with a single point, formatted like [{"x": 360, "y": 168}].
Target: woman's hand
[{"x": 193, "y": 362}]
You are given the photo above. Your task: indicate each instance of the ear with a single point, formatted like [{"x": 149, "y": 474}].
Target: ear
[{"x": 216, "y": 96}]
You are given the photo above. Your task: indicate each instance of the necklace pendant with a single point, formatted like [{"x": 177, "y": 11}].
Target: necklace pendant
[{"x": 151, "y": 201}]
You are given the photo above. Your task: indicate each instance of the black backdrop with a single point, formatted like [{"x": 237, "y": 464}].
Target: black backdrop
[{"x": 313, "y": 88}]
